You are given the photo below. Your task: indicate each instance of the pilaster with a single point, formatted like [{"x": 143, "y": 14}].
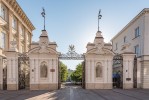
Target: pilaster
[
  {"x": 12, "y": 70},
  {"x": 128, "y": 66},
  {"x": 145, "y": 72},
  {"x": 10, "y": 15}
]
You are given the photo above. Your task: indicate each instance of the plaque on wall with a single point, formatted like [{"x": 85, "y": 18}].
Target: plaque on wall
[
  {"x": 128, "y": 79},
  {"x": 52, "y": 70}
]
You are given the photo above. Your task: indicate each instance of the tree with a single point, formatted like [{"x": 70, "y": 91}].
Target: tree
[
  {"x": 77, "y": 74},
  {"x": 64, "y": 72}
]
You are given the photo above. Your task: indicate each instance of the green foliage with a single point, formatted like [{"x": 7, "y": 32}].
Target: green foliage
[
  {"x": 64, "y": 72},
  {"x": 77, "y": 74}
]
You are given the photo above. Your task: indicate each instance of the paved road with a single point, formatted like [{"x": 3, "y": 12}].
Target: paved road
[{"x": 76, "y": 93}]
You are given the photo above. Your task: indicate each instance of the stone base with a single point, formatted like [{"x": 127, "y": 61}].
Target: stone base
[
  {"x": 127, "y": 85},
  {"x": 12, "y": 87},
  {"x": 43, "y": 86},
  {"x": 99, "y": 86},
  {"x": 145, "y": 85},
  {"x": 138, "y": 85}
]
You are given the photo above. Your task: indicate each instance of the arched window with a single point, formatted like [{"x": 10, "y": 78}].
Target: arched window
[
  {"x": 98, "y": 70},
  {"x": 43, "y": 70}
]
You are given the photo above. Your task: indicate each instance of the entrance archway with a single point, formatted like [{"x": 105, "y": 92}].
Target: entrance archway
[{"x": 72, "y": 55}]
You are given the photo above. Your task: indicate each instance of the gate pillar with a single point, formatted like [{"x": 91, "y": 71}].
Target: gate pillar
[
  {"x": 128, "y": 65},
  {"x": 12, "y": 69}
]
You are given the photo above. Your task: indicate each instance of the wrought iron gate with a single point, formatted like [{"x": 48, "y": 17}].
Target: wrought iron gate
[
  {"x": 135, "y": 73},
  {"x": 4, "y": 74},
  {"x": 118, "y": 71},
  {"x": 23, "y": 71}
]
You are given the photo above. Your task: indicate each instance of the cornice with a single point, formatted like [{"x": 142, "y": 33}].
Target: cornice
[
  {"x": 18, "y": 10},
  {"x": 144, "y": 11}
]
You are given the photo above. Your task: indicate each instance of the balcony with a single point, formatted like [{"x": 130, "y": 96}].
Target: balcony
[{"x": 2, "y": 21}]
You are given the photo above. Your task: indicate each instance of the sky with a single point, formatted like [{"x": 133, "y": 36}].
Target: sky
[{"x": 75, "y": 21}]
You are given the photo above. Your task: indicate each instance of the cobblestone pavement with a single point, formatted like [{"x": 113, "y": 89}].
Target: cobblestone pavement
[{"x": 76, "y": 93}]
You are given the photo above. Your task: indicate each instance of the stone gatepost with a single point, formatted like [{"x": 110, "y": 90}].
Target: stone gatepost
[
  {"x": 145, "y": 72},
  {"x": 12, "y": 68},
  {"x": 128, "y": 65}
]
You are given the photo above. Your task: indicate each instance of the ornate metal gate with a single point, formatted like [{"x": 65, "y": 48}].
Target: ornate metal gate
[
  {"x": 118, "y": 71},
  {"x": 135, "y": 73},
  {"x": 4, "y": 73},
  {"x": 23, "y": 71}
]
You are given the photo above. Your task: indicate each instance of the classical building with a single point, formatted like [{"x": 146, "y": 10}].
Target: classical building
[
  {"x": 133, "y": 38},
  {"x": 15, "y": 27}
]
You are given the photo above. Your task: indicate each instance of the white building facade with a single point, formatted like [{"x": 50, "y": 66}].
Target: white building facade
[{"x": 133, "y": 38}]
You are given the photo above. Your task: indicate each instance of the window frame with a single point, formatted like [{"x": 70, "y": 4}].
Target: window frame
[
  {"x": 137, "y": 32},
  {"x": 2, "y": 39},
  {"x": 14, "y": 23},
  {"x": 137, "y": 50}
]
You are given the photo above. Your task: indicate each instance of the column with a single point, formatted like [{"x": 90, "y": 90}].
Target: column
[
  {"x": 105, "y": 71},
  {"x": 10, "y": 28},
  {"x": 25, "y": 40},
  {"x": 93, "y": 72},
  {"x": 32, "y": 71},
  {"x": 54, "y": 73},
  {"x": 37, "y": 73},
  {"x": 110, "y": 70},
  {"x": 19, "y": 37},
  {"x": 56, "y": 69},
  {"x": 49, "y": 72},
  {"x": 128, "y": 65}
]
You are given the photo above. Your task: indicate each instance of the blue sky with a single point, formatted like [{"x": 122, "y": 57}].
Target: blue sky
[{"x": 75, "y": 21}]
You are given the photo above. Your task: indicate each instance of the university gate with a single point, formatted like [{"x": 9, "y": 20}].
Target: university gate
[{"x": 72, "y": 55}]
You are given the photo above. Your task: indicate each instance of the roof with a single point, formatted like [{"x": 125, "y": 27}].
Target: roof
[{"x": 132, "y": 21}]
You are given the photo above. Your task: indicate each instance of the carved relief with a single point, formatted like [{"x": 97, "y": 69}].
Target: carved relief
[
  {"x": 43, "y": 70},
  {"x": 98, "y": 70}
]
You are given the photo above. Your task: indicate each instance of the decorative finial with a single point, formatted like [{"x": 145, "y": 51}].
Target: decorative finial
[
  {"x": 43, "y": 15},
  {"x": 99, "y": 17}
]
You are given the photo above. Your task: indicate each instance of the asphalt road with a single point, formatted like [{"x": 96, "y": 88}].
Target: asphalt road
[{"x": 76, "y": 93}]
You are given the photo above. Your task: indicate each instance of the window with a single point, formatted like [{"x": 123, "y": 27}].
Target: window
[
  {"x": 116, "y": 46},
  {"x": 137, "y": 32},
  {"x": 14, "y": 23},
  {"x": 2, "y": 39},
  {"x": 137, "y": 51},
  {"x": 125, "y": 39},
  {"x": 3, "y": 12}
]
